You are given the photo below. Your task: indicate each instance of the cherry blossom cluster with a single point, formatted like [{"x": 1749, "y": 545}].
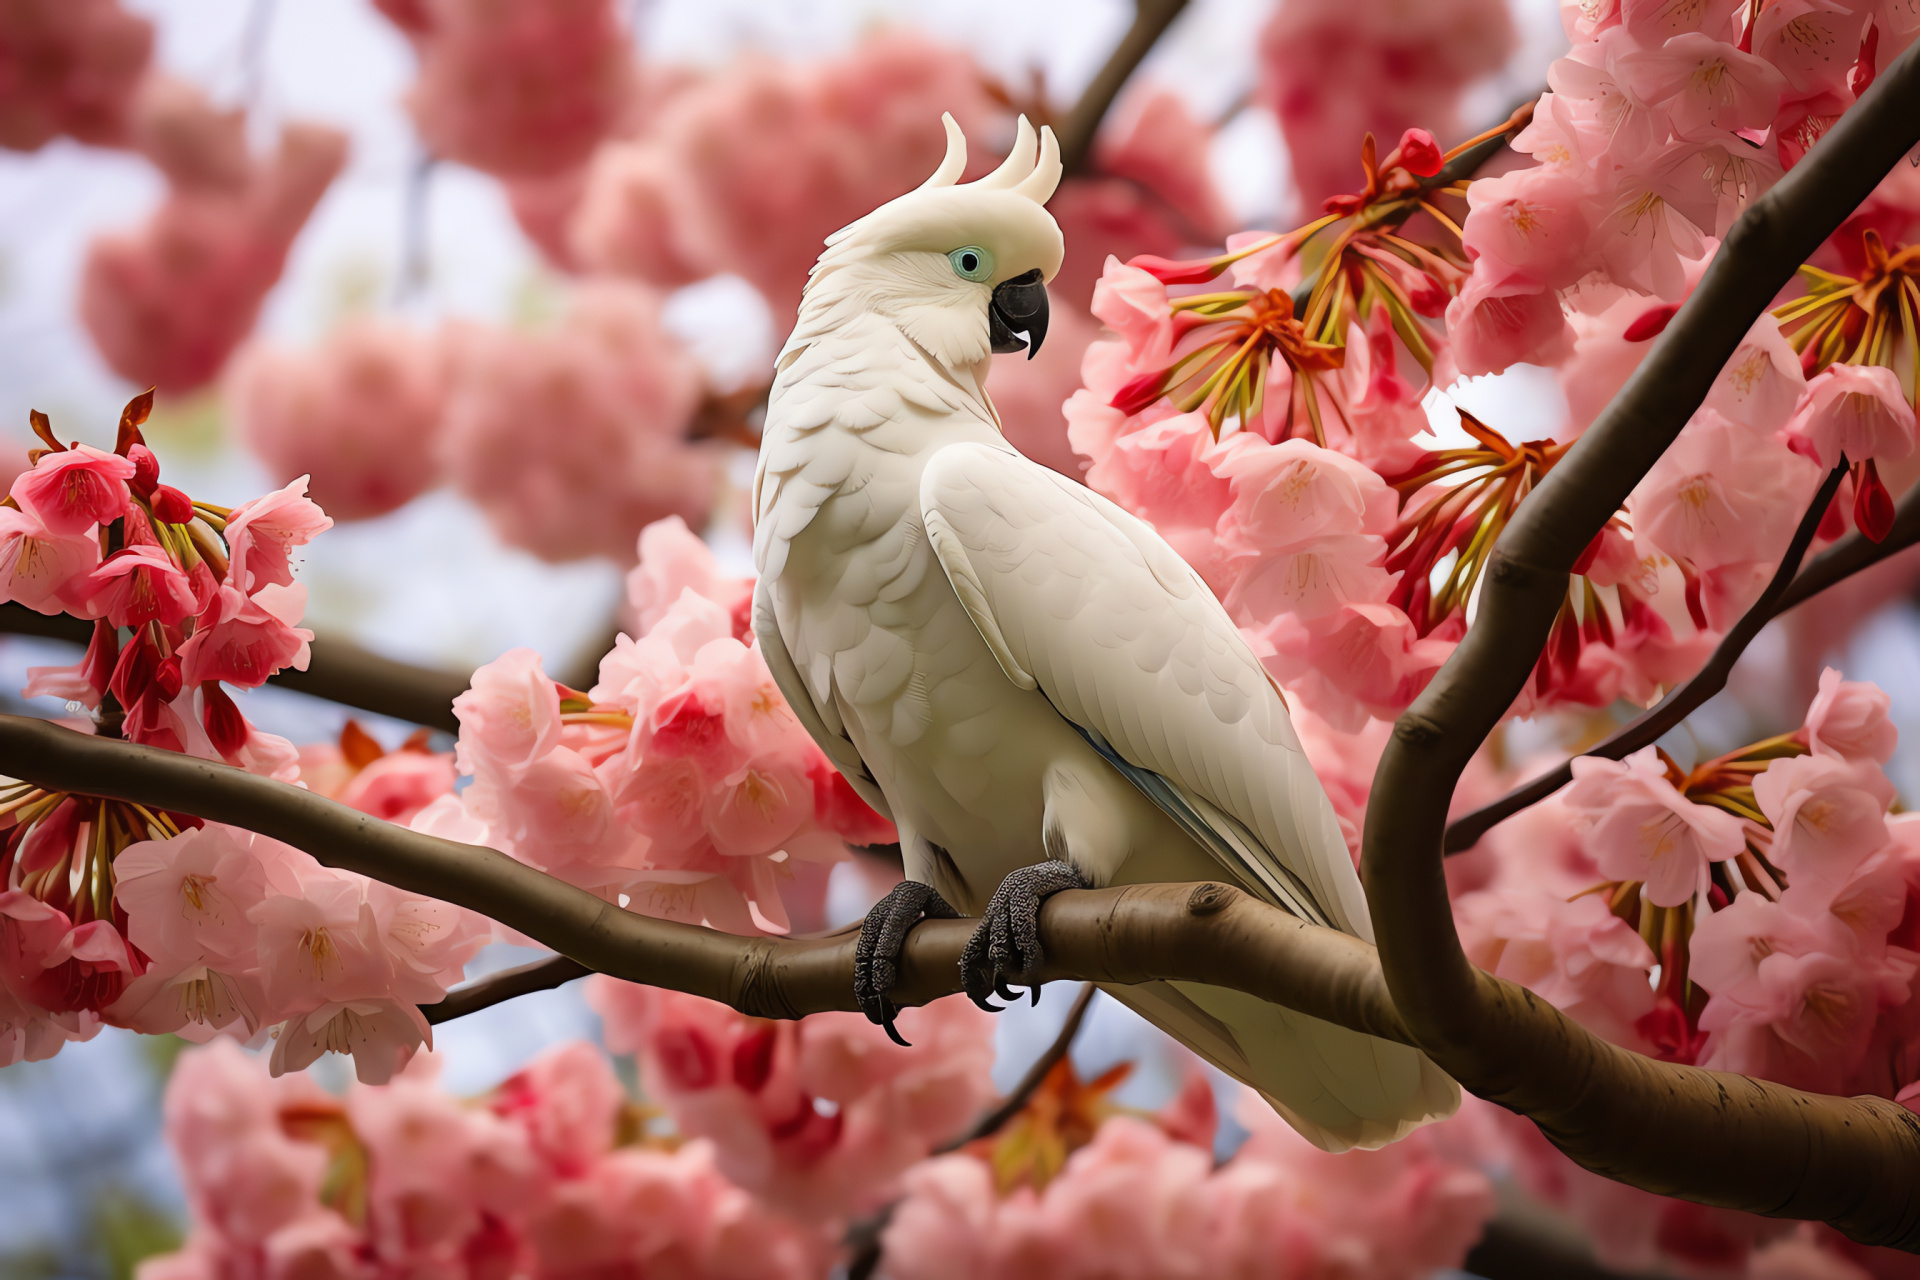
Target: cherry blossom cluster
[
  {"x": 72, "y": 68},
  {"x": 520, "y": 88},
  {"x": 115, "y": 913},
  {"x": 551, "y": 1175},
  {"x": 1224, "y": 416},
  {"x": 1332, "y": 71},
  {"x": 166, "y": 302},
  {"x": 681, "y": 784},
  {"x": 780, "y": 1134},
  {"x": 1661, "y": 124},
  {"x": 1756, "y": 913},
  {"x": 817, "y": 1118},
  {"x": 1352, "y": 568},
  {"x": 570, "y": 438}
]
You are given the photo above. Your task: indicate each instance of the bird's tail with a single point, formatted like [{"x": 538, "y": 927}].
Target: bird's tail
[{"x": 1341, "y": 1089}]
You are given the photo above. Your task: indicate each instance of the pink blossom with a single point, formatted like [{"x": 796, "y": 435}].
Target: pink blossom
[
  {"x": 1496, "y": 322},
  {"x": 1848, "y": 720},
  {"x": 245, "y": 640},
  {"x": 323, "y": 946},
  {"x": 1716, "y": 497},
  {"x": 1638, "y": 827},
  {"x": 750, "y": 170},
  {"x": 1304, "y": 532},
  {"x": 673, "y": 560},
  {"x": 262, "y": 533},
  {"x": 379, "y": 1033},
  {"x": 1828, "y": 815},
  {"x": 817, "y": 1117},
  {"x": 566, "y": 1101},
  {"x": 1529, "y": 224},
  {"x": 1762, "y": 383},
  {"x": 1812, "y": 43},
  {"x": 1707, "y": 86},
  {"x": 509, "y": 717},
  {"x": 187, "y": 898},
  {"x": 48, "y": 574},
  {"x": 71, "y": 491},
  {"x": 70, "y": 67},
  {"x": 398, "y": 785},
  {"x": 244, "y": 1177},
  {"x": 1577, "y": 955},
  {"x": 627, "y": 217},
  {"x": 49, "y": 962},
  {"x": 168, "y": 301},
  {"x": 357, "y": 415},
  {"x": 574, "y": 440},
  {"x": 519, "y": 88},
  {"x": 137, "y": 585},
  {"x": 1335, "y": 72},
  {"x": 1854, "y": 410}
]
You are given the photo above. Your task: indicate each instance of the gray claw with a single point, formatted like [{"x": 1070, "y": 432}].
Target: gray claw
[
  {"x": 876, "y": 956},
  {"x": 1006, "y": 945}
]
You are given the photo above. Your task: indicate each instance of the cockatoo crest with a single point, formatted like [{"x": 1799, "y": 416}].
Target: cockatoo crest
[{"x": 897, "y": 261}]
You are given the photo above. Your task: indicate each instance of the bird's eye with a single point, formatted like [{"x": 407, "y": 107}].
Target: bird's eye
[{"x": 971, "y": 262}]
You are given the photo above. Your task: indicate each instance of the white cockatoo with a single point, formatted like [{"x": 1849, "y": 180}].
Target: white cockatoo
[{"x": 1027, "y": 679}]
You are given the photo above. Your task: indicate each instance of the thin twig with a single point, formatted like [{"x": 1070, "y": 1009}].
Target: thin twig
[
  {"x": 863, "y": 1236},
  {"x": 508, "y": 984},
  {"x": 990, "y": 1122},
  {"x": 1151, "y": 18},
  {"x": 1650, "y": 725}
]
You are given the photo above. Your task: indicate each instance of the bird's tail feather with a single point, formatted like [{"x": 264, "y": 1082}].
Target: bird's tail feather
[{"x": 1340, "y": 1089}]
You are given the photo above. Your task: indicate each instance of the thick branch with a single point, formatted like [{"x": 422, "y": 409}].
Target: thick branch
[
  {"x": 1200, "y": 933},
  {"x": 1648, "y": 727},
  {"x": 1151, "y": 18},
  {"x": 1703, "y": 1136}
]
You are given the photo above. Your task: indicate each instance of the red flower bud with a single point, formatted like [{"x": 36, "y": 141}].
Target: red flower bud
[
  {"x": 227, "y": 728},
  {"x": 171, "y": 505},
  {"x": 1420, "y": 154},
  {"x": 1872, "y": 504},
  {"x": 166, "y": 680},
  {"x": 1167, "y": 271},
  {"x": 753, "y": 1059},
  {"x": 134, "y": 670},
  {"x": 103, "y": 653},
  {"x": 1139, "y": 393},
  {"x": 146, "y": 470},
  {"x": 1651, "y": 323}
]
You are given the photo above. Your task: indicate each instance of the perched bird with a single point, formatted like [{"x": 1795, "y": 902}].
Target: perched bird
[{"x": 1027, "y": 679}]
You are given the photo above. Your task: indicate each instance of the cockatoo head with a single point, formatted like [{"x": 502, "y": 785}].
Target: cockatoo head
[{"x": 960, "y": 267}]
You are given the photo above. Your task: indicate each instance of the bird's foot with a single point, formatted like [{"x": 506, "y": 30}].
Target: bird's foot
[
  {"x": 1007, "y": 943},
  {"x": 876, "y": 956}
]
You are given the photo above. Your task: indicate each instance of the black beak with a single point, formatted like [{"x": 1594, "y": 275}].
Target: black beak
[{"x": 1019, "y": 306}]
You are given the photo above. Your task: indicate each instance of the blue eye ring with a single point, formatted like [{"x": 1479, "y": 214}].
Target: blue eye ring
[{"x": 971, "y": 262}]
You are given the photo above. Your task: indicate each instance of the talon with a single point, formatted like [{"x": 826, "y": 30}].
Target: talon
[
  {"x": 1033, "y": 996},
  {"x": 883, "y": 934}
]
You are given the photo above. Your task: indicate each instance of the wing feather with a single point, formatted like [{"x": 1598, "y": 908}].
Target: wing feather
[
  {"x": 1093, "y": 607},
  {"x": 821, "y": 723}
]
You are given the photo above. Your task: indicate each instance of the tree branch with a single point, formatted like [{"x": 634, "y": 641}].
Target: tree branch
[
  {"x": 1151, "y": 18},
  {"x": 1201, "y": 933},
  {"x": 1704, "y": 1136},
  {"x": 1648, "y": 727}
]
